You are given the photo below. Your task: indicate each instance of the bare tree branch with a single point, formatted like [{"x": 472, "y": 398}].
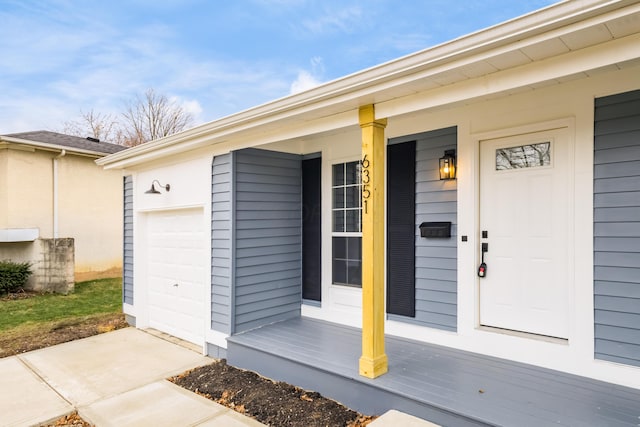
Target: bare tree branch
[
  {"x": 104, "y": 127},
  {"x": 152, "y": 117},
  {"x": 146, "y": 118}
]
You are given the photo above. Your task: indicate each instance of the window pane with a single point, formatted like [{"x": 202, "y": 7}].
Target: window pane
[
  {"x": 347, "y": 261},
  {"x": 340, "y": 247},
  {"x": 354, "y": 248},
  {"x": 354, "y": 273},
  {"x": 338, "y": 197},
  {"x": 353, "y": 220},
  {"x": 339, "y": 271},
  {"x": 352, "y": 173},
  {"x": 338, "y": 220},
  {"x": 524, "y": 156},
  {"x": 354, "y": 196},
  {"x": 338, "y": 174}
]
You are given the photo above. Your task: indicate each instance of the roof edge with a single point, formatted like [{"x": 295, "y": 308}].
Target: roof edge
[{"x": 52, "y": 147}]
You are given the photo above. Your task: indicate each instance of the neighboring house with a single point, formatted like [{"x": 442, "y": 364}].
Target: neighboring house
[
  {"x": 59, "y": 210},
  {"x": 263, "y": 251}
]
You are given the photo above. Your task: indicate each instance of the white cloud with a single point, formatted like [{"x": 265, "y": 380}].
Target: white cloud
[
  {"x": 317, "y": 65},
  {"x": 343, "y": 20},
  {"x": 191, "y": 106},
  {"x": 308, "y": 79},
  {"x": 34, "y": 112},
  {"x": 303, "y": 82}
]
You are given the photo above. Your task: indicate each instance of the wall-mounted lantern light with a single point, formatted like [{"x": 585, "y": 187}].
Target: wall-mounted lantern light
[
  {"x": 153, "y": 190},
  {"x": 448, "y": 165}
]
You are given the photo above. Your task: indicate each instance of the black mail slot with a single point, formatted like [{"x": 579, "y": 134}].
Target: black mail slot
[{"x": 435, "y": 229}]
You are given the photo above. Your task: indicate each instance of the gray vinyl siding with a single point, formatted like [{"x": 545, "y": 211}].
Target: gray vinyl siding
[
  {"x": 268, "y": 238},
  {"x": 221, "y": 243},
  {"x": 127, "y": 241},
  {"x": 435, "y": 259},
  {"x": 617, "y": 228}
]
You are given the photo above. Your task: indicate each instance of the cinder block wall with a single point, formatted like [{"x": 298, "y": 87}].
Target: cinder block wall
[
  {"x": 55, "y": 270},
  {"x": 52, "y": 263}
]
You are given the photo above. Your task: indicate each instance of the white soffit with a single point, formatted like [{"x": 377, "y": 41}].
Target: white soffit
[
  {"x": 587, "y": 37},
  {"x": 477, "y": 69},
  {"x": 625, "y": 25},
  {"x": 508, "y": 60},
  {"x": 545, "y": 49}
]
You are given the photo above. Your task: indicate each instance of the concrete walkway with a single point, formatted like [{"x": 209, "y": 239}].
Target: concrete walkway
[
  {"x": 113, "y": 379},
  {"x": 118, "y": 379}
]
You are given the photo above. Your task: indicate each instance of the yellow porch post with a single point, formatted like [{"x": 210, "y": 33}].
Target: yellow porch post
[{"x": 373, "y": 361}]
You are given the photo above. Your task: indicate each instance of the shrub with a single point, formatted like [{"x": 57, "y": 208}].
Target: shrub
[{"x": 13, "y": 275}]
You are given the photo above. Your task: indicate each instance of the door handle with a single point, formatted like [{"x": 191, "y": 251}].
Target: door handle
[{"x": 482, "y": 270}]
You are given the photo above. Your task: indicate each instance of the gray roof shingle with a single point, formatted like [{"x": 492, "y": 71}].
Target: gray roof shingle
[{"x": 60, "y": 139}]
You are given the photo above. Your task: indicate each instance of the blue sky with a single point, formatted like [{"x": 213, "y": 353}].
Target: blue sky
[{"x": 58, "y": 58}]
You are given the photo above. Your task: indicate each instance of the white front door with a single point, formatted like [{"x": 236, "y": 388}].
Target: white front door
[
  {"x": 525, "y": 208},
  {"x": 176, "y": 273}
]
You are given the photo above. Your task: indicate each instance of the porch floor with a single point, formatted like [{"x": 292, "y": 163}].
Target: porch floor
[{"x": 442, "y": 385}]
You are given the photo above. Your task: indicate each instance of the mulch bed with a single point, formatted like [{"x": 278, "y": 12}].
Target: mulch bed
[
  {"x": 273, "y": 403},
  {"x": 270, "y": 402},
  {"x": 72, "y": 420}
]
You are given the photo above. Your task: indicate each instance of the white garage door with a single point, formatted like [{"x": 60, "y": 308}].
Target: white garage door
[{"x": 176, "y": 273}]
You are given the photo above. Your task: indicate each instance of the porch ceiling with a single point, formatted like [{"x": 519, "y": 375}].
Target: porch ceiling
[{"x": 566, "y": 41}]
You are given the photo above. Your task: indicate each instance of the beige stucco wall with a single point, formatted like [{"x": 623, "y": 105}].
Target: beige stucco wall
[
  {"x": 89, "y": 205},
  {"x": 4, "y": 154},
  {"x": 90, "y": 210},
  {"x": 29, "y": 191}
]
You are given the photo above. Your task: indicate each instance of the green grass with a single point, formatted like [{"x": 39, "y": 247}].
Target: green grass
[{"x": 102, "y": 296}]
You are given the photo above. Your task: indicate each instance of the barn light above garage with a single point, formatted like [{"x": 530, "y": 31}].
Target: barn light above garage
[
  {"x": 448, "y": 165},
  {"x": 153, "y": 190}
]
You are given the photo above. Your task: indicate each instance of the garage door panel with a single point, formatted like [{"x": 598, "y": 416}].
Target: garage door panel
[{"x": 176, "y": 273}]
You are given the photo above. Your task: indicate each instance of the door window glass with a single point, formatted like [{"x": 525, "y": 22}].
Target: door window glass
[{"x": 523, "y": 156}]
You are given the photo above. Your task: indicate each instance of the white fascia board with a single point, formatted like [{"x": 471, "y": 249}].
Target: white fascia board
[
  {"x": 51, "y": 147},
  {"x": 365, "y": 84}
]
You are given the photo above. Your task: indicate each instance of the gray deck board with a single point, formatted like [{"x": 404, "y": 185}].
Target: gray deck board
[{"x": 479, "y": 388}]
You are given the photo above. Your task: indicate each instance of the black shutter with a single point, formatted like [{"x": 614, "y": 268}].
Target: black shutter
[
  {"x": 401, "y": 246},
  {"x": 311, "y": 241}
]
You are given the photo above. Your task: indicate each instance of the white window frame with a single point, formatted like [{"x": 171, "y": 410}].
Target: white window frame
[{"x": 334, "y": 234}]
